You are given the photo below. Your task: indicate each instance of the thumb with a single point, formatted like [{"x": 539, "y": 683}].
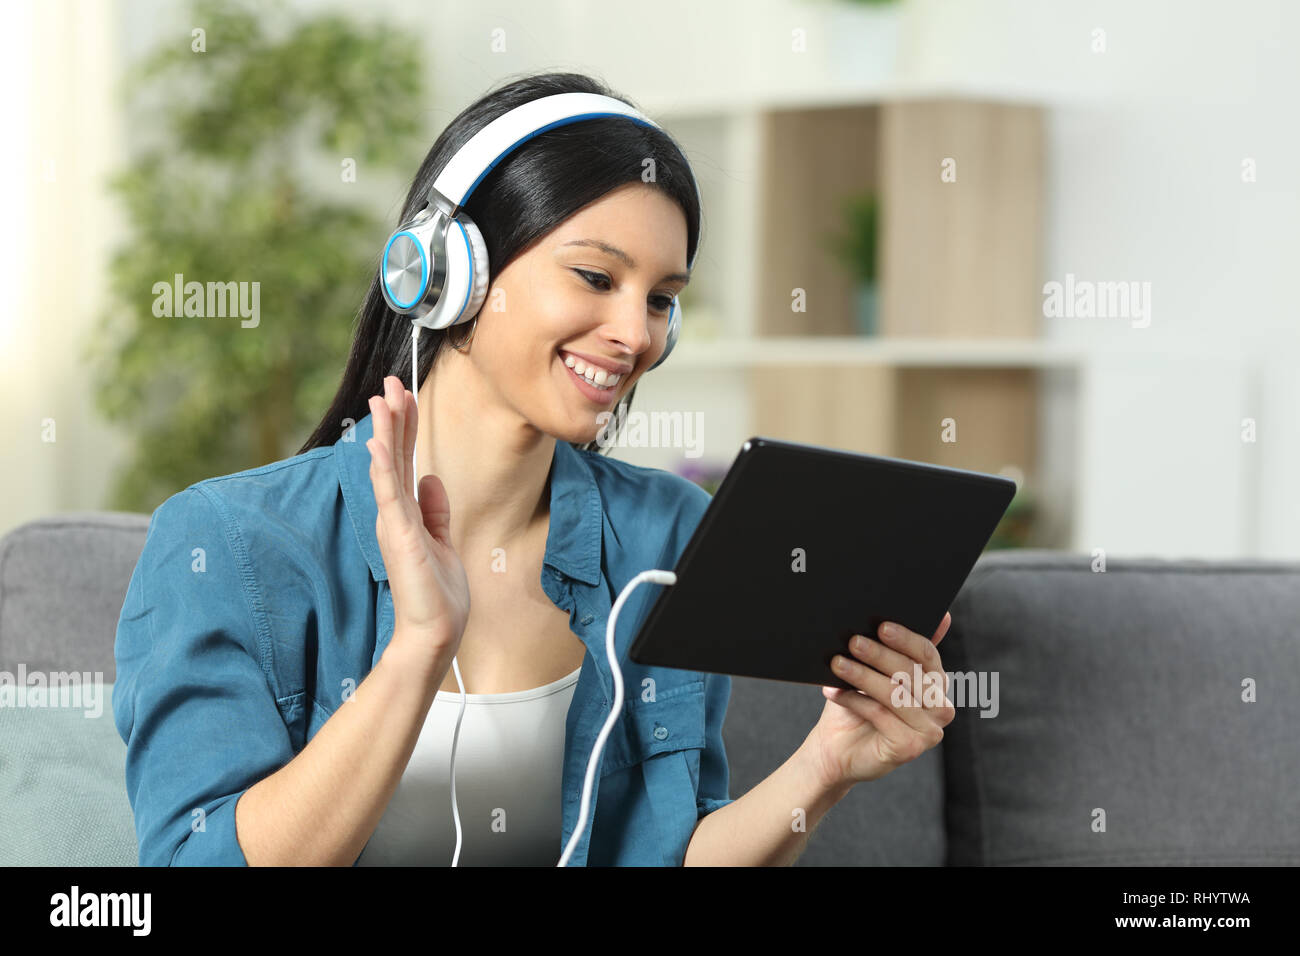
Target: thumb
[{"x": 435, "y": 508}]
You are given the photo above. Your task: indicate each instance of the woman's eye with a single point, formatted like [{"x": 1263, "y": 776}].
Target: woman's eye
[
  {"x": 591, "y": 277},
  {"x": 662, "y": 302}
]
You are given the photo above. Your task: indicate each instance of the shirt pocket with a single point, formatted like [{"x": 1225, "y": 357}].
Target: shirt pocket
[{"x": 665, "y": 737}]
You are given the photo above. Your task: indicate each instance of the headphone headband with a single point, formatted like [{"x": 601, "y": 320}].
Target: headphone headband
[
  {"x": 434, "y": 267},
  {"x": 499, "y": 138}
]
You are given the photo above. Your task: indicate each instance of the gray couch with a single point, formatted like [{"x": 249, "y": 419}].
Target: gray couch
[{"x": 1125, "y": 730}]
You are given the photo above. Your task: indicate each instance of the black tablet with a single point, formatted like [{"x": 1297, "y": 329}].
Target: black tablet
[{"x": 803, "y": 547}]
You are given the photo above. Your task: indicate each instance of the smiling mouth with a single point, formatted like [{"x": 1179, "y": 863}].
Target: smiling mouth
[
  {"x": 599, "y": 394},
  {"x": 594, "y": 374}
]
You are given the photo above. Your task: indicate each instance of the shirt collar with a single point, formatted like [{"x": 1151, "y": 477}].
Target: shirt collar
[{"x": 572, "y": 543}]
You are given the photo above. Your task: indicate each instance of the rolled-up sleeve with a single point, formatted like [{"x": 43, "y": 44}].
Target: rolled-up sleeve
[
  {"x": 714, "y": 786},
  {"x": 193, "y": 698}
]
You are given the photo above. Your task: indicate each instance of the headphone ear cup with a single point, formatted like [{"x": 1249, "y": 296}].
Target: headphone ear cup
[
  {"x": 478, "y": 257},
  {"x": 406, "y": 265},
  {"x": 674, "y": 330}
]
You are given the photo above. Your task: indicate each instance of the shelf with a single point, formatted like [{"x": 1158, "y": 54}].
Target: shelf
[
  {"x": 850, "y": 350},
  {"x": 958, "y": 373}
]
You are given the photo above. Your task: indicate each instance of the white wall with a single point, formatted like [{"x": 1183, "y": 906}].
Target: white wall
[
  {"x": 60, "y": 55},
  {"x": 1155, "y": 194},
  {"x": 1146, "y": 143}
]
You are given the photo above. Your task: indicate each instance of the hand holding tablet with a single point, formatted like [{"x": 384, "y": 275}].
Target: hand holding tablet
[{"x": 897, "y": 713}]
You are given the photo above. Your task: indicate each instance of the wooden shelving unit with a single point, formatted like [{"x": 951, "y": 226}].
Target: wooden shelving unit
[{"x": 959, "y": 289}]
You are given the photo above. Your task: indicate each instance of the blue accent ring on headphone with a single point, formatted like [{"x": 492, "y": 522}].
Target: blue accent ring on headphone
[{"x": 424, "y": 268}]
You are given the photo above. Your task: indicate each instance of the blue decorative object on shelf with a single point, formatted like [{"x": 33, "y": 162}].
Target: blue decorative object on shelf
[{"x": 867, "y": 311}]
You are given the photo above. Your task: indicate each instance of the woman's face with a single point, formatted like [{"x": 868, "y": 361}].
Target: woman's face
[{"x": 566, "y": 295}]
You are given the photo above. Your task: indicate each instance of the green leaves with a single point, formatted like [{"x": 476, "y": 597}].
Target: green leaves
[
  {"x": 229, "y": 189},
  {"x": 856, "y": 246}
]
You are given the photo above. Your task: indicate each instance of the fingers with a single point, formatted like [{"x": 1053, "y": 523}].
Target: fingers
[
  {"x": 394, "y": 397},
  {"x": 895, "y": 742},
  {"x": 919, "y": 649},
  {"x": 380, "y": 422},
  {"x": 382, "y": 475},
  {"x": 898, "y": 695},
  {"x": 873, "y": 711},
  {"x": 909, "y": 645},
  {"x": 394, "y": 419},
  {"x": 912, "y": 644},
  {"x": 875, "y": 654},
  {"x": 943, "y": 628},
  {"x": 387, "y": 469},
  {"x": 872, "y": 683}
]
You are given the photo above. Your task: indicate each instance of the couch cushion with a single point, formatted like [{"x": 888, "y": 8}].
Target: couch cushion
[
  {"x": 62, "y": 582},
  {"x": 1121, "y": 691},
  {"x": 895, "y": 821},
  {"x": 62, "y": 781}
]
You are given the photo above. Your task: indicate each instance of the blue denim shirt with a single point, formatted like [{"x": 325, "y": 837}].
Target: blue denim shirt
[{"x": 260, "y": 601}]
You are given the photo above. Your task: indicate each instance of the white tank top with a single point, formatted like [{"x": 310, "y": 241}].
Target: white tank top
[{"x": 509, "y": 761}]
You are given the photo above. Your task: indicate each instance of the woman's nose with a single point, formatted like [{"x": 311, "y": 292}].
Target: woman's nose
[{"x": 631, "y": 326}]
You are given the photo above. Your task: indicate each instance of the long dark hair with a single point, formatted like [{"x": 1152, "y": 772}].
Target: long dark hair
[{"x": 529, "y": 193}]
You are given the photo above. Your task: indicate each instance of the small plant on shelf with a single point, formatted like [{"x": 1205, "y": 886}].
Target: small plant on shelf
[{"x": 856, "y": 249}]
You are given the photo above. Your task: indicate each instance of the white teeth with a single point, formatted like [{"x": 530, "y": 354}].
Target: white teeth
[{"x": 596, "y": 376}]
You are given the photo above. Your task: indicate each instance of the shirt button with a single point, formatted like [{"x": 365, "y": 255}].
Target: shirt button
[
  {"x": 586, "y": 619},
  {"x": 661, "y": 733}
]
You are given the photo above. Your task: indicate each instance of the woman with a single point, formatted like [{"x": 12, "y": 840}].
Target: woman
[{"x": 285, "y": 684}]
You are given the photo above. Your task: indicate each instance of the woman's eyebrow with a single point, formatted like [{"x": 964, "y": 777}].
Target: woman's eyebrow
[{"x": 617, "y": 253}]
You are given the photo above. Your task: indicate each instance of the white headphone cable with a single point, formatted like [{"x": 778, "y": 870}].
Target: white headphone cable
[
  {"x": 659, "y": 577},
  {"x": 455, "y": 665}
]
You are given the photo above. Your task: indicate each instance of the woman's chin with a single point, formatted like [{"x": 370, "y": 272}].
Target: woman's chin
[
  {"x": 589, "y": 434},
  {"x": 575, "y": 427},
  {"x": 586, "y": 423}
]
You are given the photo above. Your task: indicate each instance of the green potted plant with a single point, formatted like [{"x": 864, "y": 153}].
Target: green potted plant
[
  {"x": 855, "y": 248},
  {"x": 276, "y": 102}
]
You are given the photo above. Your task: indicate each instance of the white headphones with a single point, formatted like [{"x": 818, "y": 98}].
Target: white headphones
[{"x": 435, "y": 266}]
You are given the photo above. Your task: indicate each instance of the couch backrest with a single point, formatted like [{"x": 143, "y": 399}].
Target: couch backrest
[
  {"x": 63, "y": 579},
  {"x": 1147, "y": 713}
]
